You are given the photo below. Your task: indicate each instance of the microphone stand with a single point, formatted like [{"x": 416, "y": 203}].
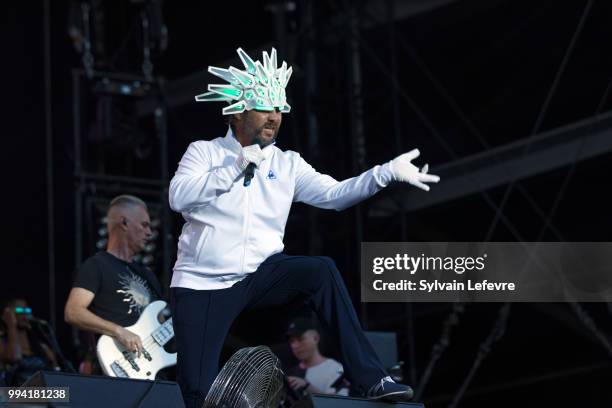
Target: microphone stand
[{"x": 49, "y": 335}]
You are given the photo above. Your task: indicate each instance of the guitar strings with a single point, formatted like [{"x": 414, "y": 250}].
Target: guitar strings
[{"x": 147, "y": 343}]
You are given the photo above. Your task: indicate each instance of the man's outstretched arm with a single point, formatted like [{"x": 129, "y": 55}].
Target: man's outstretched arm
[{"x": 324, "y": 191}]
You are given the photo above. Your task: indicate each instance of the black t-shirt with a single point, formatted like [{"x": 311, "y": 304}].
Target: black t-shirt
[{"x": 122, "y": 290}]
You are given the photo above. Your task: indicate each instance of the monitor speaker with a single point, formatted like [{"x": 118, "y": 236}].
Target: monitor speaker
[{"x": 92, "y": 391}]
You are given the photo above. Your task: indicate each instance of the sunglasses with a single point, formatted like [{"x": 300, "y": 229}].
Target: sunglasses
[{"x": 23, "y": 310}]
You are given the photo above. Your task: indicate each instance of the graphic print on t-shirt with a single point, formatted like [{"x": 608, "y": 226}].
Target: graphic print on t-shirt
[{"x": 135, "y": 291}]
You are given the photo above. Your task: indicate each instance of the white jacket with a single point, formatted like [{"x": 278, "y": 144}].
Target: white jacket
[{"x": 231, "y": 229}]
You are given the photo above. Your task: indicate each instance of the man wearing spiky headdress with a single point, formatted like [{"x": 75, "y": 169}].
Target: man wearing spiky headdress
[{"x": 235, "y": 193}]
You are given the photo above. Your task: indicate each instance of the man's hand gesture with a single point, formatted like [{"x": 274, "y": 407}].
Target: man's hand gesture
[{"x": 403, "y": 170}]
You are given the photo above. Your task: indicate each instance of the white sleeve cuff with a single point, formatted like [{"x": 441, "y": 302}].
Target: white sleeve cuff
[{"x": 383, "y": 174}]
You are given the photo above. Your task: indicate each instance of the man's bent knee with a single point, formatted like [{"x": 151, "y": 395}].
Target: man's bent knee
[{"x": 325, "y": 268}]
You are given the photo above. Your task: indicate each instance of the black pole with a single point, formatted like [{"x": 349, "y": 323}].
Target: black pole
[
  {"x": 49, "y": 158},
  {"x": 356, "y": 125},
  {"x": 161, "y": 127},
  {"x": 312, "y": 125},
  {"x": 78, "y": 227}
]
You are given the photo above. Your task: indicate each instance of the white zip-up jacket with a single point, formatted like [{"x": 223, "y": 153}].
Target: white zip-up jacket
[{"x": 231, "y": 229}]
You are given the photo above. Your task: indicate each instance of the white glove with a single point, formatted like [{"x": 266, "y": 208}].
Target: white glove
[
  {"x": 403, "y": 170},
  {"x": 249, "y": 154}
]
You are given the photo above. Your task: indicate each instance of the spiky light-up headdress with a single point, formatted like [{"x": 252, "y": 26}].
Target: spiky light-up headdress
[{"x": 261, "y": 86}]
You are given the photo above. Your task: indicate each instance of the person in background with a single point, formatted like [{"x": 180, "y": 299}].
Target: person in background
[
  {"x": 315, "y": 373},
  {"x": 110, "y": 291},
  {"x": 22, "y": 348}
]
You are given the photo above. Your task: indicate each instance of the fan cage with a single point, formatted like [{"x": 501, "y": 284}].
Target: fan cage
[{"x": 251, "y": 378}]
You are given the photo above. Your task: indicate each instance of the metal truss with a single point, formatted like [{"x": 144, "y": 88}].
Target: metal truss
[
  {"x": 495, "y": 167},
  {"x": 90, "y": 181}
]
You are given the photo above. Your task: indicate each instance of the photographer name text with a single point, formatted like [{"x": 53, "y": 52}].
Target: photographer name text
[{"x": 436, "y": 286}]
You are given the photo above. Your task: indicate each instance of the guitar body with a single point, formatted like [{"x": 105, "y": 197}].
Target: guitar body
[{"x": 116, "y": 361}]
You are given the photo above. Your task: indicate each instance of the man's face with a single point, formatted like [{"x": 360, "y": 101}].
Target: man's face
[
  {"x": 258, "y": 127},
  {"x": 305, "y": 345},
  {"x": 138, "y": 228}
]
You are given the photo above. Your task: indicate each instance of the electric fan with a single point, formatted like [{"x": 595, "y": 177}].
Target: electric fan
[{"x": 251, "y": 378}]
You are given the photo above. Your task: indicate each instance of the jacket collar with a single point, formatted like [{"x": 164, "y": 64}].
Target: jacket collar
[{"x": 232, "y": 143}]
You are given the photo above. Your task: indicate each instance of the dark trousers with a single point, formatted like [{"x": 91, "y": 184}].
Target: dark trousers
[{"x": 202, "y": 319}]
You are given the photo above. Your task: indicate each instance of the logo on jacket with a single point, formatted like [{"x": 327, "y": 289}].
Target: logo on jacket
[{"x": 271, "y": 175}]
